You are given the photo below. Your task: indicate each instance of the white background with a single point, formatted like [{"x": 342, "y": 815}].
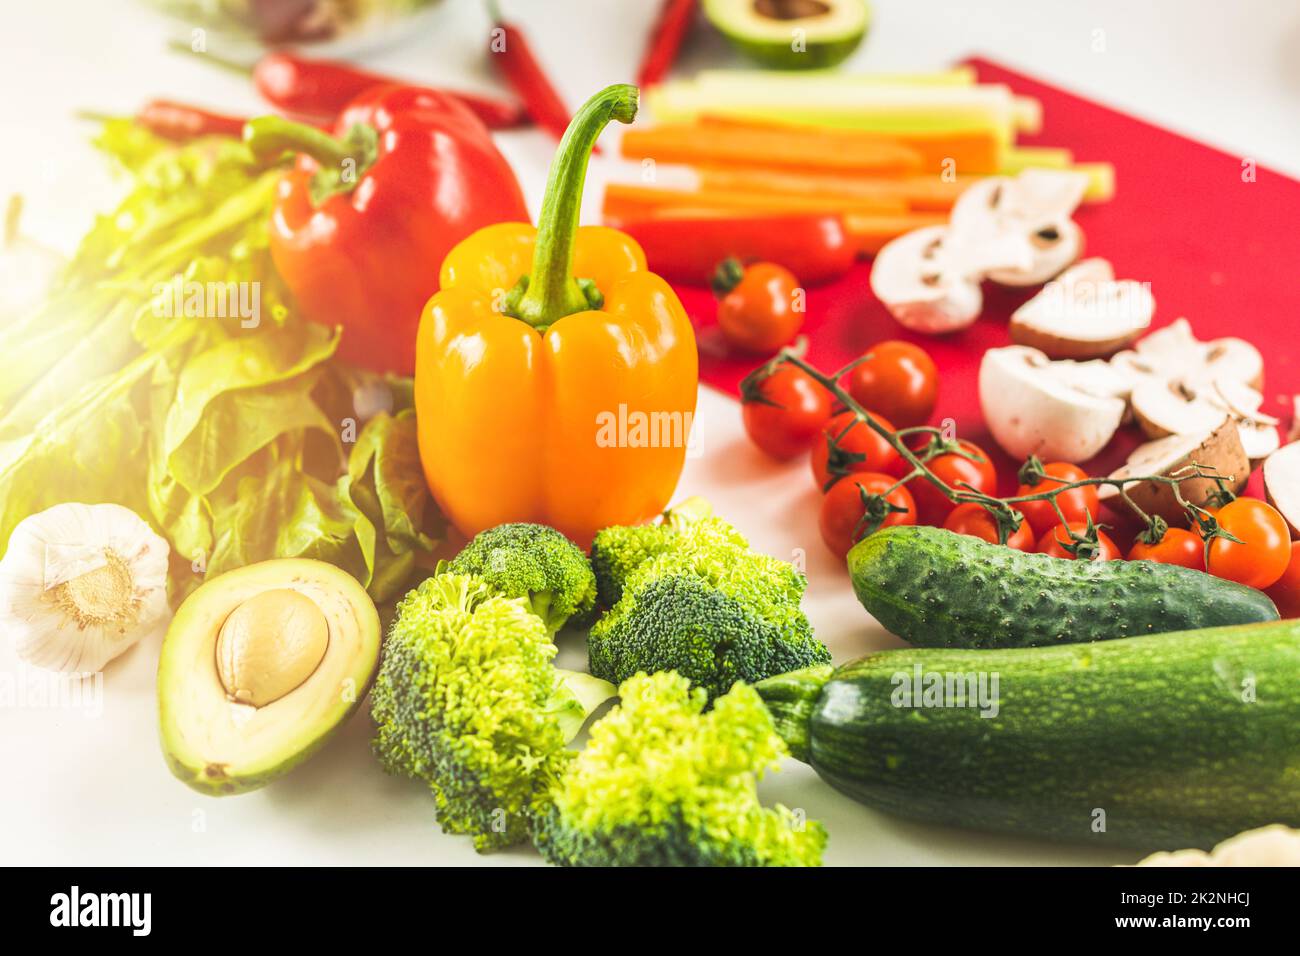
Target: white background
[{"x": 84, "y": 790}]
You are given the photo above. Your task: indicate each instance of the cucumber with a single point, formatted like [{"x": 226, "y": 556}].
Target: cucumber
[
  {"x": 934, "y": 588},
  {"x": 1162, "y": 742}
]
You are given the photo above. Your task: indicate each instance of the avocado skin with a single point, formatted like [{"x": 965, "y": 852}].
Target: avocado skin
[
  {"x": 779, "y": 55},
  {"x": 1158, "y": 732},
  {"x": 935, "y": 588}
]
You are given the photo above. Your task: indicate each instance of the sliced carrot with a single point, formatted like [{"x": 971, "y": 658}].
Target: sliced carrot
[
  {"x": 925, "y": 193},
  {"x": 783, "y": 146},
  {"x": 626, "y": 201},
  {"x": 970, "y": 150},
  {"x": 873, "y": 231}
]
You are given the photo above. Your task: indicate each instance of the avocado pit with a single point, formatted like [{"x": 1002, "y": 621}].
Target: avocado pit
[{"x": 269, "y": 645}]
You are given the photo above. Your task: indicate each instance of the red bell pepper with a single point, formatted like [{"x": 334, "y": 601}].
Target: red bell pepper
[
  {"x": 363, "y": 221},
  {"x": 816, "y": 248}
]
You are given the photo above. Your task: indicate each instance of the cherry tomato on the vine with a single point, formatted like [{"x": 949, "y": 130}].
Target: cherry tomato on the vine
[
  {"x": 784, "y": 411},
  {"x": 845, "y": 507},
  {"x": 1285, "y": 591},
  {"x": 897, "y": 379},
  {"x": 848, "y": 445},
  {"x": 1055, "y": 541},
  {"x": 968, "y": 465},
  {"x": 974, "y": 519},
  {"x": 1261, "y": 557},
  {"x": 760, "y": 306},
  {"x": 1178, "y": 546},
  {"x": 1076, "y": 504}
]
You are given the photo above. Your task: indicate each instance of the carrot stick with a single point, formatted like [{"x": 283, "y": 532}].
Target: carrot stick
[
  {"x": 928, "y": 193},
  {"x": 871, "y": 232},
  {"x": 802, "y": 148},
  {"x": 626, "y": 201}
]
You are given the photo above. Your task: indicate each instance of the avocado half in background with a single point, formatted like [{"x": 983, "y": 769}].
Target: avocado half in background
[
  {"x": 259, "y": 667},
  {"x": 768, "y": 30}
]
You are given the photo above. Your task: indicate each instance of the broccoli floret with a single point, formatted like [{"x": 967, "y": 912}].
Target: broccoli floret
[
  {"x": 535, "y": 562},
  {"x": 618, "y": 551},
  {"x": 467, "y": 700},
  {"x": 662, "y": 783},
  {"x": 710, "y": 609}
]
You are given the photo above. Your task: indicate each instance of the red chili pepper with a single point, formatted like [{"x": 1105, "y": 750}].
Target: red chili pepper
[
  {"x": 323, "y": 87},
  {"x": 815, "y": 248},
  {"x": 363, "y": 222},
  {"x": 180, "y": 121},
  {"x": 318, "y": 89},
  {"x": 510, "y": 49},
  {"x": 675, "y": 19}
]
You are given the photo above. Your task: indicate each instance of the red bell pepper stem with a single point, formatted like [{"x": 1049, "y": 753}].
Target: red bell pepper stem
[
  {"x": 526, "y": 77},
  {"x": 321, "y": 88},
  {"x": 551, "y": 291},
  {"x": 670, "y": 29},
  {"x": 270, "y": 137}
]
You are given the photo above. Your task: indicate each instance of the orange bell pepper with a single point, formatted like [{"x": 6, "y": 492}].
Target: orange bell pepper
[{"x": 555, "y": 377}]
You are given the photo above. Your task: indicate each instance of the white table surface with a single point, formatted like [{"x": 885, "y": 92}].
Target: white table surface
[{"x": 91, "y": 788}]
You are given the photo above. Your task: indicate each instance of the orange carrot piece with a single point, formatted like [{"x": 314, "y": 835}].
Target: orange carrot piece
[
  {"x": 627, "y": 201},
  {"x": 786, "y": 147},
  {"x": 921, "y": 193},
  {"x": 873, "y": 231},
  {"x": 974, "y": 150}
]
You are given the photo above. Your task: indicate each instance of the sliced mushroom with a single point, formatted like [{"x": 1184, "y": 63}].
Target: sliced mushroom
[
  {"x": 1178, "y": 407},
  {"x": 1085, "y": 313},
  {"x": 1282, "y": 484},
  {"x": 925, "y": 284},
  {"x": 1035, "y": 207},
  {"x": 1056, "y": 410},
  {"x": 1218, "y": 449},
  {"x": 1174, "y": 352}
]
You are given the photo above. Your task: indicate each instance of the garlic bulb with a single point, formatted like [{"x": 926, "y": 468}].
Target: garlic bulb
[{"x": 79, "y": 584}]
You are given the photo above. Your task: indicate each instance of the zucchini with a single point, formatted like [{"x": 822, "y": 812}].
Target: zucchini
[
  {"x": 934, "y": 588},
  {"x": 1162, "y": 742}
]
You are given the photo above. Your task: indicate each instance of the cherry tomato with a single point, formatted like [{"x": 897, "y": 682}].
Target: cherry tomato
[
  {"x": 1285, "y": 591},
  {"x": 897, "y": 379},
  {"x": 1179, "y": 546},
  {"x": 1076, "y": 504},
  {"x": 784, "y": 411},
  {"x": 843, "y": 509},
  {"x": 976, "y": 520},
  {"x": 848, "y": 445},
  {"x": 759, "y": 306},
  {"x": 1265, "y": 549},
  {"x": 955, "y": 469},
  {"x": 1054, "y": 542}
]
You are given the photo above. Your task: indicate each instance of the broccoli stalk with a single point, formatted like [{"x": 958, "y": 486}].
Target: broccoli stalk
[
  {"x": 534, "y": 562},
  {"x": 662, "y": 783},
  {"x": 467, "y": 700},
  {"x": 709, "y": 608}
]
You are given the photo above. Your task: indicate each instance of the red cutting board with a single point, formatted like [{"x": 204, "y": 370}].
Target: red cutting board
[{"x": 1221, "y": 251}]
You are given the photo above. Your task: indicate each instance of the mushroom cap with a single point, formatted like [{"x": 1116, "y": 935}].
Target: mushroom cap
[
  {"x": 926, "y": 282},
  {"x": 1056, "y": 410},
  {"x": 1085, "y": 313}
]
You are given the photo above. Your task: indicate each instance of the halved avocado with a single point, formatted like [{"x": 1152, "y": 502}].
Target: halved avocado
[
  {"x": 259, "y": 667},
  {"x": 792, "y": 34}
]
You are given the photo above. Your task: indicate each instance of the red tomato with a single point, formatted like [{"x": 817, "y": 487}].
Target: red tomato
[
  {"x": 762, "y": 311},
  {"x": 843, "y": 509},
  {"x": 784, "y": 411},
  {"x": 1265, "y": 549},
  {"x": 897, "y": 379},
  {"x": 1076, "y": 504},
  {"x": 1054, "y": 542},
  {"x": 848, "y": 445},
  {"x": 955, "y": 469},
  {"x": 1179, "y": 546},
  {"x": 974, "y": 519},
  {"x": 1285, "y": 591}
]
